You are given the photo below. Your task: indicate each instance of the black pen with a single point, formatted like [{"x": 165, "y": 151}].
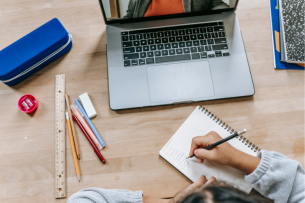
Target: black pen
[{"x": 222, "y": 141}]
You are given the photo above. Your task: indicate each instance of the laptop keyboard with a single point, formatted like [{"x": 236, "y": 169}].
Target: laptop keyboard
[{"x": 161, "y": 45}]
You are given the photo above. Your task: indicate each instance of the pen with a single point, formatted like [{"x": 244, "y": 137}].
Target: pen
[
  {"x": 73, "y": 148},
  {"x": 90, "y": 123},
  {"x": 79, "y": 115},
  {"x": 99, "y": 155},
  {"x": 73, "y": 128},
  {"x": 222, "y": 141}
]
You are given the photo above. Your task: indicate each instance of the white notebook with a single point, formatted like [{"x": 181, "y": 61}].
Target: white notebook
[{"x": 199, "y": 123}]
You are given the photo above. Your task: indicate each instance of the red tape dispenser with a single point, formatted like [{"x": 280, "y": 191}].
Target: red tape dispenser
[{"x": 28, "y": 103}]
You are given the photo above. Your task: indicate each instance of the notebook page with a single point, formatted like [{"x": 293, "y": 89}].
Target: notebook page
[{"x": 177, "y": 149}]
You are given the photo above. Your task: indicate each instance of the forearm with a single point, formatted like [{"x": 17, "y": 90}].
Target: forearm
[
  {"x": 245, "y": 162},
  {"x": 155, "y": 200}
]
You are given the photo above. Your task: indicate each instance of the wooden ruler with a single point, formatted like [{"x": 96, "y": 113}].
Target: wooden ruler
[{"x": 60, "y": 138}]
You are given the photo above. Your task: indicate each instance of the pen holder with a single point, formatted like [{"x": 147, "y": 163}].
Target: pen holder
[{"x": 27, "y": 103}]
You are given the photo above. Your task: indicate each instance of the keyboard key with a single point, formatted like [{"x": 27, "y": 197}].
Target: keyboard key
[
  {"x": 195, "y": 30},
  {"x": 127, "y": 63},
  {"x": 189, "y": 43},
  {"x": 134, "y": 62},
  {"x": 141, "y": 61},
  {"x": 189, "y": 31},
  {"x": 132, "y": 37},
  {"x": 204, "y": 55},
  {"x": 209, "y": 29},
  {"x": 174, "y": 33},
  {"x": 179, "y": 51},
  {"x": 218, "y": 55},
  {"x": 181, "y": 32},
  {"x": 207, "y": 35},
  {"x": 138, "y": 49},
  {"x": 139, "y": 36},
  {"x": 211, "y": 55},
  {"x": 143, "y": 42},
  {"x": 150, "y": 60},
  {"x": 186, "y": 50},
  {"x": 219, "y": 28},
  {"x": 124, "y": 33},
  {"x": 196, "y": 43},
  {"x": 226, "y": 54},
  {"x": 214, "y": 35},
  {"x": 221, "y": 34},
  {"x": 127, "y": 44},
  {"x": 153, "y": 35},
  {"x": 220, "y": 41},
  {"x": 203, "y": 42},
  {"x": 150, "y": 54},
  {"x": 194, "y": 49},
  {"x": 158, "y": 41},
  {"x": 220, "y": 47},
  {"x": 200, "y": 49},
  {"x": 160, "y": 34},
  {"x": 153, "y": 47},
  {"x": 217, "y": 52},
  {"x": 160, "y": 46},
  {"x": 151, "y": 41},
  {"x": 173, "y": 58},
  {"x": 220, "y": 23},
  {"x": 203, "y": 30},
  {"x": 196, "y": 56},
  {"x": 179, "y": 39},
  {"x": 164, "y": 52},
  {"x": 164, "y": 40},
  {"x": 174, "y": 45},
  {"x": 131, "y": 56},
  {"x": 146, "y": 36},
  {"x": 210, "y": 41},
  {"x": 143, "y": 55},
  {"x": 193, "y": 37},
  {"x": 172, "y": 39},
  {"x": 186, "y": 38},
  {"x": 124, "y": 38},
  {"x": 136, "y": 43},
  {"x": 167, "y": 33},
  {"x": 157, "y": 53},
  {"x": 172, "y": 52},
  {"x": 200, "y": 36},
  {"x": 181, "y": 44},
  {"x": 167, "y": 46},
  {"x": 146, "y": 48},
  {"x": 128, "y": 50},
  {"x": 208, "y": 48}
]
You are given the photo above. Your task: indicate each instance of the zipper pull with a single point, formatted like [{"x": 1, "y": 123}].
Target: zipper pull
[{"x": 72, "y": 38}]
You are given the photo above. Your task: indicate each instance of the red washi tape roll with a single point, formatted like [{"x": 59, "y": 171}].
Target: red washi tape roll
[{"x": 28, "y": 103}]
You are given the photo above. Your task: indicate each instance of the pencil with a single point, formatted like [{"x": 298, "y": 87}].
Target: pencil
[
  {"x": 73, "y": 128},
  {"x": 222, "y": 141},
  {"x": 97, "y": 152},
  {"x": 73, "y": 148}
]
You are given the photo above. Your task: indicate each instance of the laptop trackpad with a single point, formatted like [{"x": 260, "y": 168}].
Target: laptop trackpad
[{"x": 181, "y": 81}]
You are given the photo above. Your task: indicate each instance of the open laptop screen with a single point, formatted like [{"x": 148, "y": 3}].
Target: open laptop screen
[{"x": 125, "y": 10}]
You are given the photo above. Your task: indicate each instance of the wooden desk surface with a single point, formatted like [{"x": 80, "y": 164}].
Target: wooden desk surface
[{"x": 274, "y": 117}]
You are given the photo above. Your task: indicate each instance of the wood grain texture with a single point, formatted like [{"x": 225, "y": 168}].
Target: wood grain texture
[{"x": 274, "y": 116}]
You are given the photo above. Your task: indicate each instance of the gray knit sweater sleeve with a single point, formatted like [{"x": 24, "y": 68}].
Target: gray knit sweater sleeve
[
  {"x": 279, "y": 178},
  {"x": 98, "y": 195}
]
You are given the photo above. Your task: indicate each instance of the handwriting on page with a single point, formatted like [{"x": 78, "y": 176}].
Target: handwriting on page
[{"x": 176, "y": 158}]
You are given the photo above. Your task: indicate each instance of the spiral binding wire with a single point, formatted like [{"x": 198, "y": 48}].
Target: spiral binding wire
[{"x": 229, "y": 129}]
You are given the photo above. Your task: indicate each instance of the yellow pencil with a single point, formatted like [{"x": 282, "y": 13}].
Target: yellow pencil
[{"x": 73, "y": 148}]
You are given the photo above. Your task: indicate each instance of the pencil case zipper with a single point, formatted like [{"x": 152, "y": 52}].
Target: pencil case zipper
[{"x": 41, "y": 61}]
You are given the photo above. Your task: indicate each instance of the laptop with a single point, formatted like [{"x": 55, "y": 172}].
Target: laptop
[{"x": 165, "y": 52}]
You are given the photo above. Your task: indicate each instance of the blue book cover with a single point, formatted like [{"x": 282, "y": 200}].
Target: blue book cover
[{"x": 275, "y": 28}]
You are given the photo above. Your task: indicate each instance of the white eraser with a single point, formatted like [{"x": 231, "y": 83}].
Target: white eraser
[{"x": 87, "y": 104}]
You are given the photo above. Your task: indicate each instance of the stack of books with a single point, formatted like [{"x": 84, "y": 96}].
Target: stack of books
[{"x": 288, "y": 33}]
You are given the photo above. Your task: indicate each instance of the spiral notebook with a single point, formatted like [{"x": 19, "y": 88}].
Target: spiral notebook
[{"x": 201, "y": 122}]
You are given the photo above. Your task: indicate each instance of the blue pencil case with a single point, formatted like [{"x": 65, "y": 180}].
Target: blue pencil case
[{"x": 33, "y": 52}]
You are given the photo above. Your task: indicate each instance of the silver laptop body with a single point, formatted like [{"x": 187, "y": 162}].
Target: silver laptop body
[{"x": 143, "y": 75}]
